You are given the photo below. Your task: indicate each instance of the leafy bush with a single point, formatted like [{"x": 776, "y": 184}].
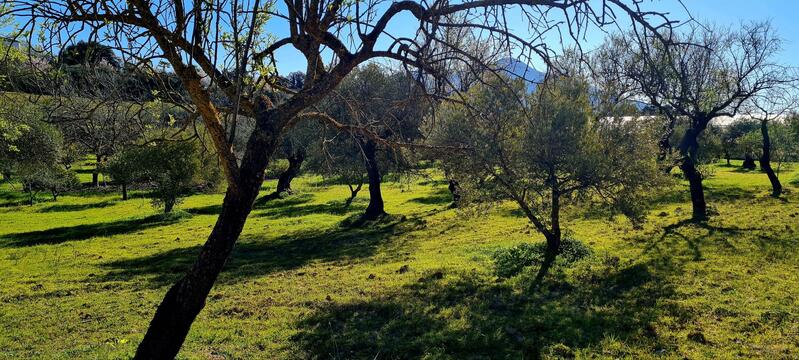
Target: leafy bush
[
  {"x": 125, "y": 169},
  {"x": 171, "y": 168},
  {"x": 55, "y": 180},
  {"x": 510, "y": 261}
]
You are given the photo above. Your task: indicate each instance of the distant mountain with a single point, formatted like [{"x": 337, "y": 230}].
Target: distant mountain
[
  {"x": 519, "y": 69},
  {"x": 516, "y": 68},
  {"x": 532, "y": 77}
]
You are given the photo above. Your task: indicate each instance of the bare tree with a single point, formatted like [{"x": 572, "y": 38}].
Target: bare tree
[
  {"x": 766, "y": 108},
  {"x": 224, "y": 46},
  {"x": 704, "y": 74}
]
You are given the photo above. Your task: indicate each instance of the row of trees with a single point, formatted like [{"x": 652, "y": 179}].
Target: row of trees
[
  {"x": 541, "y": 151},
  {"x": 706, "y": 73}
]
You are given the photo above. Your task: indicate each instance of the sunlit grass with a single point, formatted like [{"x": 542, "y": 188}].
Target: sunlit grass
[{"x": 81, "y": 278}]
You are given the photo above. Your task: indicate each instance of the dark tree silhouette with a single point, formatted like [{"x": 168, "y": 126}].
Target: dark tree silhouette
[{"x": 89, "y": 53}]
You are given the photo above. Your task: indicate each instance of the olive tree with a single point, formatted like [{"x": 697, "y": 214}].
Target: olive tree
[
  {"x": 544, "y": 151},
  {"x": 171, "y": 167},
  {"x": 294, "y": 144},
  {"x": 226, "y": 46},
  {"x": 732, "y": 137},
  {"x": 31, "y": 152},
  {"x": 706, "y": 73},
  {"x": 767, "y": 109},
  {"x": 125, "y": 169},
  {"x": 385, "y": 102}
]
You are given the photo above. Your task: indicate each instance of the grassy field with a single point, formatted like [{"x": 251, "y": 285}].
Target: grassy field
[{"x": 81, "y": 277}]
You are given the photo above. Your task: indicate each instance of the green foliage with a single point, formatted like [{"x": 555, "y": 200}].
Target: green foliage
[
  {"x": 510, "y": 261},
  {"x": 734, "y": 138},
  {"x": 382, "y": 101},
  {"x": 54, "y": 179},
  {"x": 125, "y": 167},
  {"x": 21, "y": 72},
  {"x": 546, "y": 147},
  {"x": 31, "y": 152},
  {"x": 171, "y": 167}
]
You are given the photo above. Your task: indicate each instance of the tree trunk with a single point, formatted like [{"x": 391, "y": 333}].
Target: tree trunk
[
  {"x": 689, "y": 146},
  {"x": 553, "y": 238},
  {"x": 454, "y": 188},
  {"x": 168, "y": 205},
  {"x": 124, "y": 191},
  {"x": 694, "y": 178},
  {"x": 353, "y": 193},
  {"x": 749, "y": 161},
  {"x": 375, "y": 208},
  {"x": 31, "y": 194},
  {"x": 284, "y": 181},
  {"x": 96, "y": 172},
  {"x": 765, "y": 161},
  {"x": 186, "y": 298}
]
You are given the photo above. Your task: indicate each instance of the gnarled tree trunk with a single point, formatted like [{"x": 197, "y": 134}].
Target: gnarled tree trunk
[
  {"x": 689, "y": 146},
  {"x": 375, "y": 208},
  {"x": 169, "y": 204},
  {"x": 353, "y": 193},
  {"x": 284, "y": 181},
  {"x": 765, "y": 161},
  {"x": 124, "y": 191},
  {"x": 186, "y": 298},
  {"x": 553, "y": 237},
  {"x": 454, "y": 189}
]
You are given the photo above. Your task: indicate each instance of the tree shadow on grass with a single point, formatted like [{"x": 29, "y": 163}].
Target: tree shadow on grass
[
  {"x": 83, "y": 232},
  {"x": 300, "y": 209},
  {"x": 712, "y": 194},
  {"x": 466, "y": 315},
  {"x": 265, "y": 202},
  {"x": 438, "y": 197},
  {"x": 729, "y": 193},
  {"x": 215, "y": 209},
  {"x": 696, "y": 235},
  {"x": 253, "y": 257},
  {"x": 76, "y": 207}
]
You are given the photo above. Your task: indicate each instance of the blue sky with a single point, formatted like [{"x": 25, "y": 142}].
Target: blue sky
[{"x": 782, "y": 13}]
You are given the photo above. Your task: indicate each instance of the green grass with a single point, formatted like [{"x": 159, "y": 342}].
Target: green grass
[{"x": 81, "y": 278}]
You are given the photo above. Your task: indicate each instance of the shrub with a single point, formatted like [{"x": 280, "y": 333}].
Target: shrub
[
  {"x": 510, "y": 261},
  {"x": 55, "y": 180},
  {"x": 171, "y": 167},
  {"x": 125, "y": 169}
]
